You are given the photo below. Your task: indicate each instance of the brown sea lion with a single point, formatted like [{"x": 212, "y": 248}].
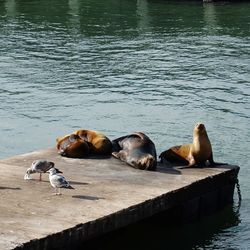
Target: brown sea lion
[
  {"x": 72, "y": 146},
  {"x": 99, "y": 144},
  {"x": 84, "y": 143},
  {"x": 137, "y": 150},
  {"x": 197, "y": 153}
]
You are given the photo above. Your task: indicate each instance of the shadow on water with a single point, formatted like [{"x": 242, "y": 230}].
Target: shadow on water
[{"x": 160, "y": 233}]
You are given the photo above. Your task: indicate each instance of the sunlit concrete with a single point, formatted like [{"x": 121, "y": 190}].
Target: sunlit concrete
[{"x": 108, "y": 195}]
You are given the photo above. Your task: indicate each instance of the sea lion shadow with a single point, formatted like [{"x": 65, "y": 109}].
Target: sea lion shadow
[
  {"x": 168, "y": 168},
  {"x": 90, "y": 157},
  {"x": 86, "y": 197},
  {"x": 10, "y": 188},
  {"x": 98, "y": 157}
]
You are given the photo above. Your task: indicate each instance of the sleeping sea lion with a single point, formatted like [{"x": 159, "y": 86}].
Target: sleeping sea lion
[
  {"x": 197, "y": 153},
  {"x": 99, "y": 144},
  {"x": 72, "y": 146},
  {"x": 137, "y": 150},
  {"x": 84, "y": 143}
]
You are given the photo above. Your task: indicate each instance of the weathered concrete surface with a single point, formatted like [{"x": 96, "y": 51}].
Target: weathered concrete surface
[{"x": 108, "y": 194}]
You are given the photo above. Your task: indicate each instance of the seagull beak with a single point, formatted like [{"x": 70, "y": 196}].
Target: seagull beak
[{"x": 58, "y": 171}]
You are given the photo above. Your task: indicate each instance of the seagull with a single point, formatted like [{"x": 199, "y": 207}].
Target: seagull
[
  {"x": 39, "y": 166},
  {"x": 58, "y": 181}
]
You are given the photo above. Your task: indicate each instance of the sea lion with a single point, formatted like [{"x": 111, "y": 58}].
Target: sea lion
[
  {"x": 84, "y": 143},
  {"x": 72, "y": 146},
  {"x": 197, "y": 153},
  {"x": 137, "y": 150},
  {"x": 99, "y": 144}
]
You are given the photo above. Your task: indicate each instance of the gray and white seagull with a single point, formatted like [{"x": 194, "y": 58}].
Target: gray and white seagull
[
  {"x": 38, "y": 166},
  {"x": 58, "y": 181}
]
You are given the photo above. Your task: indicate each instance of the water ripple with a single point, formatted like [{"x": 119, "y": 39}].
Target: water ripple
[{"x": 152, "y": 66}]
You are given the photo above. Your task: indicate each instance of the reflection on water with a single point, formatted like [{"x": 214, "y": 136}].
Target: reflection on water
[
  {"x": 10, "y": 7},
  {"x": 161, "y": 235},
  {"x": 210, "y": 18},
  {"x": 74, "y": 13},
  {"x": 143, "y": 16},
  {"x": 123, "y": 66}
]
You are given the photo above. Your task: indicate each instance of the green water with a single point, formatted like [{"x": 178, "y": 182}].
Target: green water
[{"x": 124, "y": 66}]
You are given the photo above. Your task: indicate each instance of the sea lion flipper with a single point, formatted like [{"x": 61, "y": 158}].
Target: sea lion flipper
[
  {"x": 213, "y": 163},
  {"x": 122, "y": 155},
  {"x": 191, "y": 162},
  {"x": 115, "y": 154},
  {"x": 211, "y": 160}
]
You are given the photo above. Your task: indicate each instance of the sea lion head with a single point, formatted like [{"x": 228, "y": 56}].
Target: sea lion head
[
  {"x": 199, "y": 129},
  {"x": 145, "y": 162},
  {"x": 72, "y": 146}
]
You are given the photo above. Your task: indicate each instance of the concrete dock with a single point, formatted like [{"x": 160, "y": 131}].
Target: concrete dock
[{"x": 108, "y": 195}]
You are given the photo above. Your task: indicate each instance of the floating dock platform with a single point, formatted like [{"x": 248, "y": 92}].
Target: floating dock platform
[{"x": 108, "y": 195}]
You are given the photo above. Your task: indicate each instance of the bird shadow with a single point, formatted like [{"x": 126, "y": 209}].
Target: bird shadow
[
  {"x": 10, "y": 188},
  {"x": 86, "y": 197},
  {"x": 71, "y": 182},
  {"x": 36, "y": 180},
  {"x": 78, "y": 183}
]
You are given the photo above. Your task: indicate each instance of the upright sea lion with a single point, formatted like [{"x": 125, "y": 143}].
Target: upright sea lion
[
  {"x": 84, "y": 143},
  {"x": 197, "y": 153},
  {"x": 137, "y": 150}
]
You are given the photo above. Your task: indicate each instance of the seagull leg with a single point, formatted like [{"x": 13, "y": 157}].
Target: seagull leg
[
  {"x": 40, "y": 177},
  {"x": 59, "y": 192},
  {"x": 55, "y": 191}
]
